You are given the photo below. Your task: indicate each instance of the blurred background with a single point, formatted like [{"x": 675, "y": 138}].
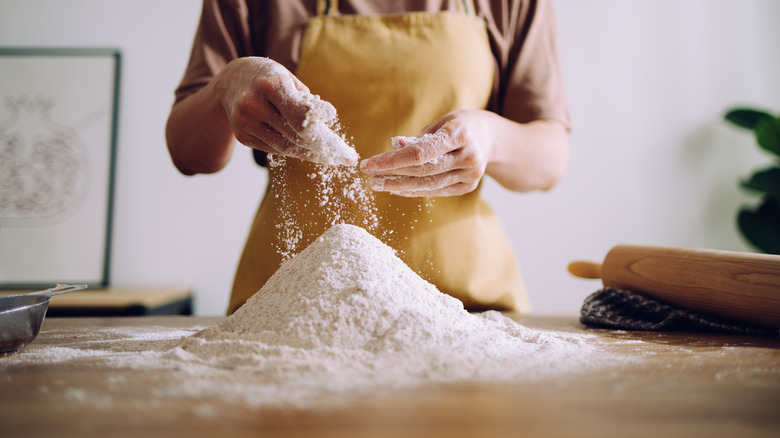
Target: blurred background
[{"x": 653, "y": 162}]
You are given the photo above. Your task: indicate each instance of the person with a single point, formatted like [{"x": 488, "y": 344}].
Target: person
[{"x": 471, "y": 88}]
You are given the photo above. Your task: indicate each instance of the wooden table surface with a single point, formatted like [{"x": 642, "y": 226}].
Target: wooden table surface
[{"x": 680, "y": 385}]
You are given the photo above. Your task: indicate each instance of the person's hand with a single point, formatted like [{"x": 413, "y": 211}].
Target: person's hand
[
  {"x": 269, "y": 109},
  {"x": 447, "y": 158}
]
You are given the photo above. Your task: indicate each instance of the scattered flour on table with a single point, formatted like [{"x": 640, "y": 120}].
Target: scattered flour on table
[{"x": 344, "y": 317}]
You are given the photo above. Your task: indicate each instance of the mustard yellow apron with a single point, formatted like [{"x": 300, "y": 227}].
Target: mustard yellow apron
[{"x": 392, "y": 75}]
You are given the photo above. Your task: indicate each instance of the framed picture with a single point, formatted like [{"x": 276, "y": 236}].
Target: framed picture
[{"x": 58, "y": 133}]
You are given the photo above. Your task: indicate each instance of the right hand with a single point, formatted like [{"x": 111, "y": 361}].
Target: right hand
[{"x": 267, "y": 105}]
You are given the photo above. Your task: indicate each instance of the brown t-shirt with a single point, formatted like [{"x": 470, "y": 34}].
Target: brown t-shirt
[{"x": 528, "y": 83}]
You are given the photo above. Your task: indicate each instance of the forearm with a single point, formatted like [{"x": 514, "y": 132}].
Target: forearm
[
  {"x": 198, "y": 133},
  {"x": 528, "y": 156},
  {"x": 451, "y": 155}
]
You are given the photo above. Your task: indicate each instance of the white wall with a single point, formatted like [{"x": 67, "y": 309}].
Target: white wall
[
  {"x": 652, "y": 162},
  {"x": 169, "y": 229}
]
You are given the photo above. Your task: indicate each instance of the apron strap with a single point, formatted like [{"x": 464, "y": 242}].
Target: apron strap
[{"x": 327, "y": 7}]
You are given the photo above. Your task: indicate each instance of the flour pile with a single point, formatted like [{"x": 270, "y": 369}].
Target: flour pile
[
  {"x": 346, "y": 314},
  {"x": 344, "y": 318}
]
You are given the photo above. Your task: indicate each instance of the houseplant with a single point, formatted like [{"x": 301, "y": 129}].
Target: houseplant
[{"x": 760, "y": 224}]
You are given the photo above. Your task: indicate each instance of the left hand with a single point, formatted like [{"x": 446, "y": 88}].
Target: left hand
[{"x": 447, "y": 158}]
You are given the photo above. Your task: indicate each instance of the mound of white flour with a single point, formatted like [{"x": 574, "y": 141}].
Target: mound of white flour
[
  {"x": 347, "y": 313},
  {"x": 343, "y": 318}
]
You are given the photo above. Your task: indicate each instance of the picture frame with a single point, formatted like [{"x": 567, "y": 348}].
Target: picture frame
[{"x": 59, "y": 110}]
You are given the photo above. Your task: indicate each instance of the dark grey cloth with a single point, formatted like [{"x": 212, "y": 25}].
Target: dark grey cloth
[{"x": 625, "y": 310}]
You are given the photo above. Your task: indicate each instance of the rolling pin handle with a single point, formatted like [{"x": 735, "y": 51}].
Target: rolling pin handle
[{"x": 585, "y": 269}]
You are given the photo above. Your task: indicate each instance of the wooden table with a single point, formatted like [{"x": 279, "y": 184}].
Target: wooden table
[{"x": 683, "y": 385}]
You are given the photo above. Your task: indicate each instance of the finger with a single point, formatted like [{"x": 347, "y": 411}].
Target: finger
[
  {"x": 454, "y": 190},
  {"x": 299, "y": 108},
  {"x": 438, "y": 165},
  {"x": 401, "y": 184},
  {"x": 279, "y": 123},
  {"x": 427, "y": 192},
  {"x": 414, "y": 153},
  {"x": 287, "y": 115},
  {"x": 265, "y": 138},
  {"x": 284, "y": 109},
  {"x": 310, "y": 123},
  {"x": 252, "y": 115},
  {"x": 401, "y": 141},
  {"x": 316, "y": 142},
  {"x": 269, "y": 140}
]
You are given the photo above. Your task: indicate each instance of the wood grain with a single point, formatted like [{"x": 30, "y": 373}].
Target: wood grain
[{"x": 741, "y": 286}]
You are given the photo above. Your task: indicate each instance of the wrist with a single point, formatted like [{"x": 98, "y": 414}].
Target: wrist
[{"x": 487, "y": 130}]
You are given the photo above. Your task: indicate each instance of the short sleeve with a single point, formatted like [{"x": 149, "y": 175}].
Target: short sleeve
[
  {"x": 223, "y": 34},
  {"x": 529, "y": 79}
]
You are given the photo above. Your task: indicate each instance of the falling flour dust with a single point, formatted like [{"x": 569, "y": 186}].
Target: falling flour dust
[
  {"x": 340, "y": 190},
  {"x": 343, "y": 317}
]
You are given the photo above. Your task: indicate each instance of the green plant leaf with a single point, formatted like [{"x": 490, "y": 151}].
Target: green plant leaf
[
  {"x": 745, "y": 117},
  {"x": 761, "y": 227},
  {"x": 765, "y": 181},
  {"x": 768, "y": 134}
]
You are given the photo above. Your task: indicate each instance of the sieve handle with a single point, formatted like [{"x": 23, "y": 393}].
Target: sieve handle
[{"x": 59, "y": 289}]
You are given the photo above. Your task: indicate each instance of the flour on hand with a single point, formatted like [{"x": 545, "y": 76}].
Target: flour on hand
[{"x": 319, "y": 134}]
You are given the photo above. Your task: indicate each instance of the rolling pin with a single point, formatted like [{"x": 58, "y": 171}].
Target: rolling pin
[{"x": 739, "y": 286}]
